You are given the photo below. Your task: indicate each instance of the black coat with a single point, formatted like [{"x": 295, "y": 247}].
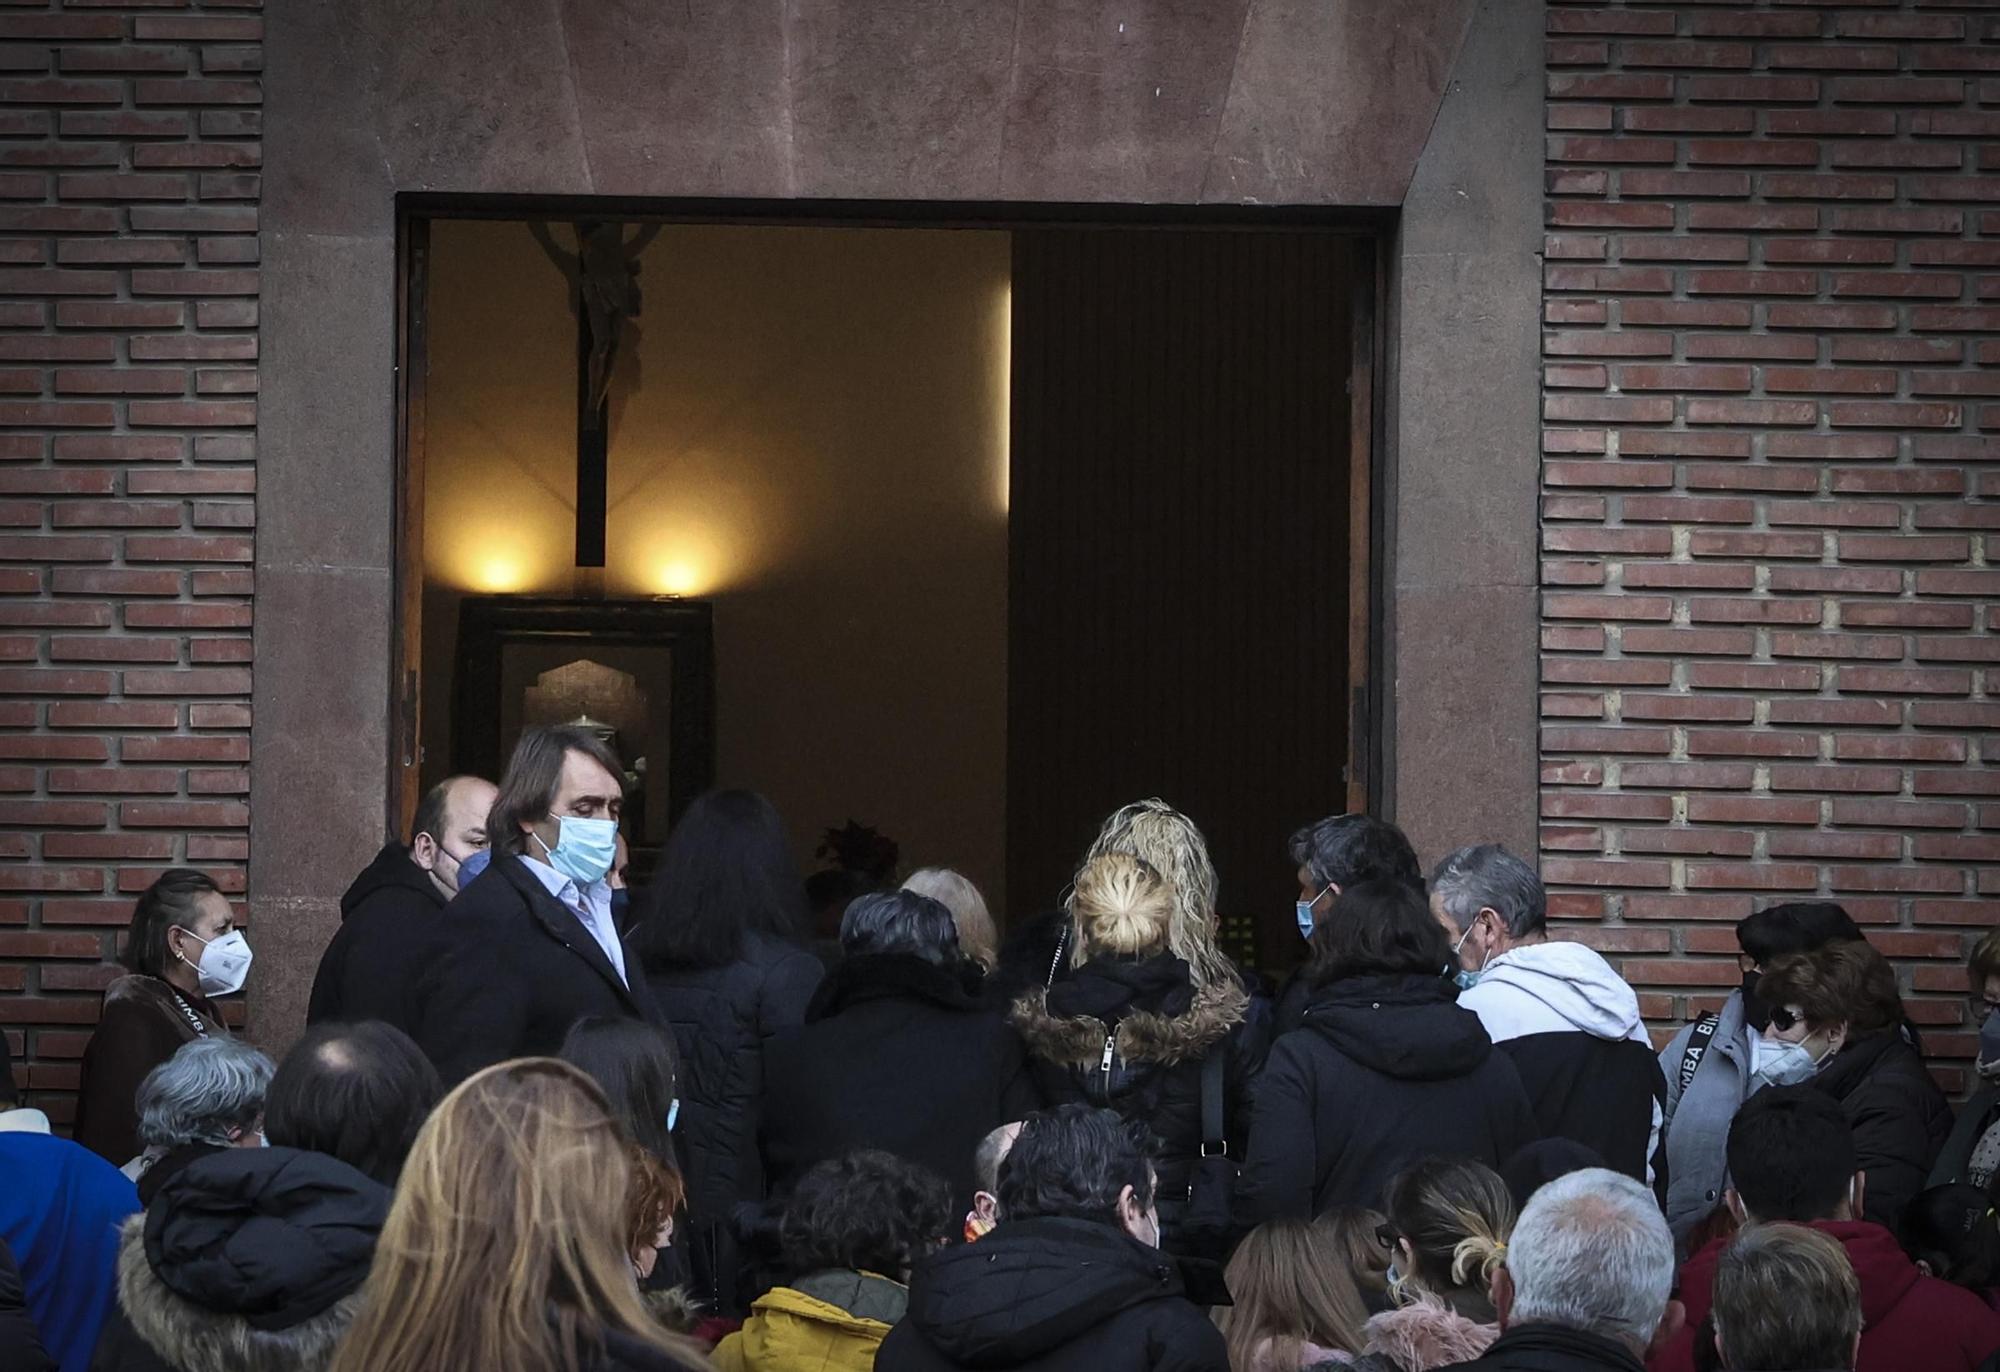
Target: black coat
[
  {"x": 20, "y": 1342},
  {"x": 1051, "y": 1295},
  {"x": 1162, "y": 1031},
  {"x": 514, "y": 970},
  {"x": 724, "y": 1020},
  {"x": 1900, "y": 1119},
  {"x": 1387, "y": 1070},
  {"x": 250, "y": 1257},
  {"x": 896, "y": 1054},
  {"x": 1547, "y": 1348},
  {"x": 388, "y": 933}
]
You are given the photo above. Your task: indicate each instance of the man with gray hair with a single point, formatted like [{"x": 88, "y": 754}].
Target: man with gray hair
[
  {"x": 1587, "y": 1282},
  {"x": 900, "y": 1051},
  {"x": 207, "y": 1097},
  {"x": 1567, "y": 1020}
]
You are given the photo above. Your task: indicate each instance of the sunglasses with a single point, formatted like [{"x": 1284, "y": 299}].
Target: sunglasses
[{"x": 1388, "y": 1236}]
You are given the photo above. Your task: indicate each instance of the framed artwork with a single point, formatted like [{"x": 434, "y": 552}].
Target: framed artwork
[{"x": 638, "y": 673}]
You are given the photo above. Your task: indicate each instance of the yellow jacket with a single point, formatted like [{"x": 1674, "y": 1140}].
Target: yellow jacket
[{"x": 829, "y": 1322}]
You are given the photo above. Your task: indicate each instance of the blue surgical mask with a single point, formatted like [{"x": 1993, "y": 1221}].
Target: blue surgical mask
[
  {"x": 1466, "y": 980},
  {"x": 475, "y": 863},
  {"x": 673, "y": 1113},
  {"x": 1307, "y": 922},
  {"x": 585, "y": 848}
]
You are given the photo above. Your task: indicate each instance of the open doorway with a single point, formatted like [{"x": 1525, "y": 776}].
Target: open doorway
[{"x": 989, "y": 525}]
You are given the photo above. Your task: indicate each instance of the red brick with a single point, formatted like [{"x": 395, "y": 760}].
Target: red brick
[
  {"x": 1727, "y": 908},
  {"x": 1752, "y": 876},
  {"x": 1905, "y": 680}
]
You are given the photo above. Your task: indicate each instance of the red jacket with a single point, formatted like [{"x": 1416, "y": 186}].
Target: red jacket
[{"x": 1908, "y": 1321}]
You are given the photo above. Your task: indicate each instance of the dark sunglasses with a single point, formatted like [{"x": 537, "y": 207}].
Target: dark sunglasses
[{"x": 1388, "y": 1236}]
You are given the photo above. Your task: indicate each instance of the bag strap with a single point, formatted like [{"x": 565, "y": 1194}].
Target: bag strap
[
  {"x": 1214, "y": 1138},
  {"x": 1697, "y": 1047}
]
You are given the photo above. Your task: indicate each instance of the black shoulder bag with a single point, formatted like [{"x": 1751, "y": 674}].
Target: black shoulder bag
[{"x": 1214, "y": 1179}]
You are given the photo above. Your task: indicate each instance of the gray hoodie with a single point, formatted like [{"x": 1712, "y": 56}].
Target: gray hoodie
[{"x": 1698, "y": 1119}]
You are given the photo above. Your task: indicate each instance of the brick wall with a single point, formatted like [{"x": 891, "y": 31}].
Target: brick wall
[
  {"x": 1771, "y": 514},
  {"x": 128, "y": 313}
]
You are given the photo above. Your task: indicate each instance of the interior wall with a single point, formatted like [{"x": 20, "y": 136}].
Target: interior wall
[{"x": 809, "y": 428}]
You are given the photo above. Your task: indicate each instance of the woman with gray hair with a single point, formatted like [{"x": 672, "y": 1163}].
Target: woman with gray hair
[
  {"x": 207, "y": 1097},
  {"x": 899, "y": 1052}
]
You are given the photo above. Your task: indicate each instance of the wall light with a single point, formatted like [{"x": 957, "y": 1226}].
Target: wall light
[
  {"x": 499, "y": 573},
  {"x": 680, "y": 578}
]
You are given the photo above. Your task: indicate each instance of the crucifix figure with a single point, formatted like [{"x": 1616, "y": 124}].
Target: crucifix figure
[{"x": 603, "y": 274}]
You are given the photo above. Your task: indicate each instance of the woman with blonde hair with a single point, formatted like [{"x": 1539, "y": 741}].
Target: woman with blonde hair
[
  {"x": 509, "y": 1247},
  {"x": 1170, "y": 843},
  {"x": 977, "y": 938},
  {"x": 1296, "y": 1305},
  {"x": 1446, "y": 1235},
  {"x": 1131, "y": 1029}
]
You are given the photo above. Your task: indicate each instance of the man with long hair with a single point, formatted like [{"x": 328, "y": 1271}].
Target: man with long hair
[{"x": 531, "y": 945}]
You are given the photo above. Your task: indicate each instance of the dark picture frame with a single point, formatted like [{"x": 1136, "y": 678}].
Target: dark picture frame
[{"x": 680, "y": 632}]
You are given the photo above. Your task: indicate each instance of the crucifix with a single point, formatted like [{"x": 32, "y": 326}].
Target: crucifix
[{"x": 603, "y": 274}]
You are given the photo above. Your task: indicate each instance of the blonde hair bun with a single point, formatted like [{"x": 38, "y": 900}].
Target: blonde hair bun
[{"x": 1122, "y": 905}]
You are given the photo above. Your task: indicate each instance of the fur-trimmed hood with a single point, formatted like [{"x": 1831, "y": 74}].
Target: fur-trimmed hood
[
  {"x": 191, "y": 1339},
  {"x": 1142, "y": 1036},
  {"x": 1426, "y": 1335}
]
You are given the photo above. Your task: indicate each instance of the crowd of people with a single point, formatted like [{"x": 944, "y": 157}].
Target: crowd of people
[{"x": 541, "y": 1121}]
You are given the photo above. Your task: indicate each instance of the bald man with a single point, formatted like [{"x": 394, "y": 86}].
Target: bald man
[{"x": 390, "y": 915}]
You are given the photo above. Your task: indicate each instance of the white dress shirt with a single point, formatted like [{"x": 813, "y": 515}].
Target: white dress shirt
[{"x": 590, "y": 904}]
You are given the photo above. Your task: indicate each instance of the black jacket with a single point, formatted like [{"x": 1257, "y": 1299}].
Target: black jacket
[
  {"x": 1049, "y": 1295},
  {"x": 724, "y": 1020},
  {"x": 1547, "y": 1348},
  {"x": 897, "y": 1054},
  {"x": 20, "y": 1342},
  {"x": 388, "y": 932},
  {"x": 249, "y": 1258},
  {"x": 1387, "y": 1070},
  {"x": 1900, "y": 1118},
  {"x": 514, "y": 970},
  {"x": 1161, "y": 1031}
]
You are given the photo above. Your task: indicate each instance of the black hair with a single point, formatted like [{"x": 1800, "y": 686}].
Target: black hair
[
  {"x": 1075, "y": 1161},
  {"x": 1954, "y": 1230},
  {"x": 171, "y": 902},
  {"x": 869, "y": 1211},
  {"x": 1346, "y": 849},
  {"x": 1536, "y": 1164},
  {"x": 356, "y": 1092},
  {"x": 1791, "y": 1154},
  {"x": 533, "y": 777},
  {"x": 900, "y": 922},
  {"x": 1797, "y": 926},
  {"x": 727, "y": 868},
  {"x": 430, "y": 812},
  {"x": 1382, "y": 928},
  {"x": 639, "y": 1068}
]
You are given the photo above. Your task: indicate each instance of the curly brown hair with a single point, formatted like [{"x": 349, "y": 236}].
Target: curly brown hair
[
  {"x": 1842, "y": 983},
  {"x": 655, "y": 1194}
]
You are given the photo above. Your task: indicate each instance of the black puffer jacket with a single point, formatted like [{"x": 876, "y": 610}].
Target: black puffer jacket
[
  {"x": 248, "y": 1259},
  {"x": 388, "y": 930},
  {"x": 1386, "y": 1070},
  {"x": 724, "y": 1020},
  {"x": 1160, "y": 1031},
  {"x": 897, "y": 1054},
  {"x": 1900, "y": 1119},
  {"x": 1050, "y": 1295},
  {"x": 20, "y": 1342},
  {"x": 1550, "y": 1348}
]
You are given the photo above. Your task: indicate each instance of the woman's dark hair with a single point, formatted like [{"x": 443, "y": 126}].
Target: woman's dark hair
[
  {"x": 1074, "y": 1162},
  {"x": 638, "y": 1067},
  {"x": 1953, "y": 1230},
  {"x": 868, "y": 1211},
  {"x": 1796, "y": 926},
  {"x": 1456, "y": 1215},
  {"x": 170, "y": 903},
  {"x": 356, "y": 1092},
  {"x": 727, "y": 868},
  {"x": 1384, "y": 928},
  {"x": 1845, "y": 982}
]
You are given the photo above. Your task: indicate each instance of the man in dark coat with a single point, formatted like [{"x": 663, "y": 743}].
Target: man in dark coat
[
  {"x": 530, "y": 946},
  {"x": 1588, "y": 1280},
  {"x": 1071, "y": 1279},
  {"x": 389, "y": 915},
  {"x": 1793, "y": 1158},
  {"x": 1387, "y": 1069},
  {"x": 896, "y": 1053},
  {"x": 1568, "y": 1021},
  {"x": 1337, "y": 853}
]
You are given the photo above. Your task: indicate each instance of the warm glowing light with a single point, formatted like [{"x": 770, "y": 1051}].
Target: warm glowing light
[
  {"x": 680, "y": 578},
  {"x": 499, "y": 573}
]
